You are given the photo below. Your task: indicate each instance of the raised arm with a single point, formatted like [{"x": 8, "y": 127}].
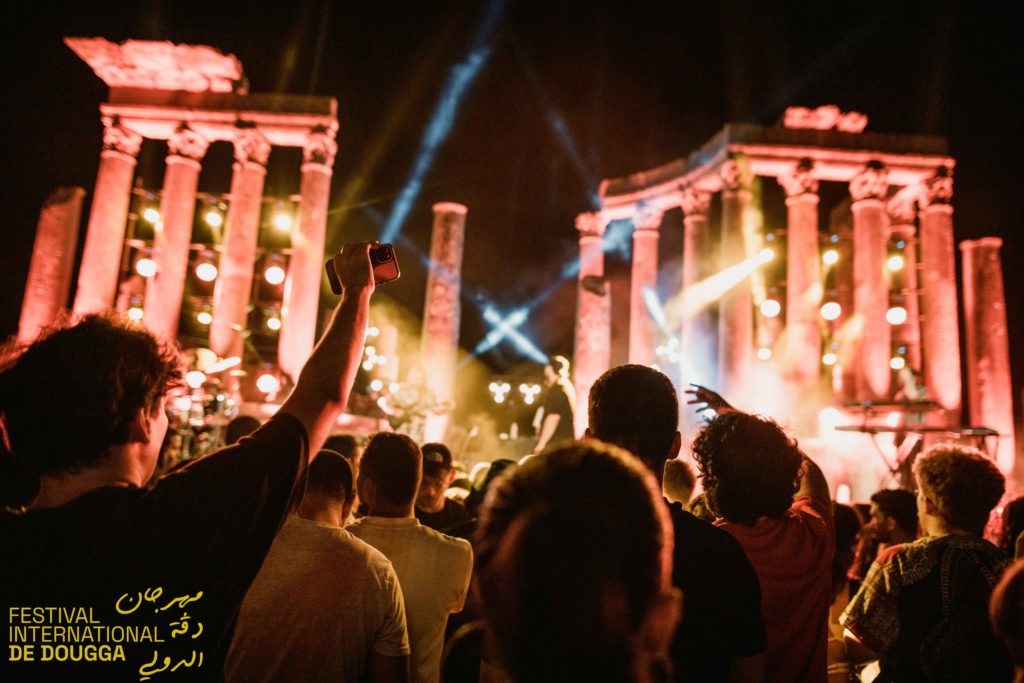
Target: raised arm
[
  {"x": 323, "y": 387},
  {"x": 706, "y": 399},
  {"x": 813, "y": 482}
]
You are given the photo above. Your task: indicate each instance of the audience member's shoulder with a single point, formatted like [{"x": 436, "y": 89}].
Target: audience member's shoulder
[{"x": 452, "y": 544}]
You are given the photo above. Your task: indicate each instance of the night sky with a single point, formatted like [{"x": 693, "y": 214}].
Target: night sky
[{"x": 569, "y": 93}]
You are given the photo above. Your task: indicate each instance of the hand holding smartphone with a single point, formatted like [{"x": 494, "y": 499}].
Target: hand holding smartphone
[{"x": 383, "y": 262}]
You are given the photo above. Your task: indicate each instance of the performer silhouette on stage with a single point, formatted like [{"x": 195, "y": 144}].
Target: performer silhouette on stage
[
  {"x": 556, "y": 414},
  {"x": 408, "y": 407}
]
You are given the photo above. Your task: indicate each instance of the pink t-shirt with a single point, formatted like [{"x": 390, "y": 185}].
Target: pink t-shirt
[{"x": 792, "y": 556}]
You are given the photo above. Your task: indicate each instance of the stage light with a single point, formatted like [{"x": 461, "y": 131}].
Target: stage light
[
  {"x": 898, "y": 363},
  {"x": 214, "y": 219},
  {"x": 764, "y": 353},
  {"x": 833, "y": 238},
  {"x": 770, "y": 308},
  {"x": 146, "y": 267},
  {"x": 372, "y": 331},
  {"x": 274, "y": 275},
  {"x": 195, "y": 378},
  {"x": 897, "y": 315},
  {"x": 843, "y": 494},
  {"x": 151, "y": 215},
  {"x": 394, "y": 387},
  {"x": 830, "y": 257},
  {"x": 829, "y": 358},
  {"x": 367, "y": 365},
  {"x": 273, "y": 323},
  {"x": 204, "y": 317},
  {"x": 282, "y": 222},
  {"x": 267, "y": 383},
  {"x": 831, "y": 310},
  {"x": 135, "y": 313},
  {"x": 828, "y": 418},
  {"x": 766, "y": 255},
  {"x": 892, "y": 420},
  {"x": 895, "y": 263},
  {"x": 376, "y": 385},
  {"x": 206, "y": 271},
  {"x": 182, "y": 404}
]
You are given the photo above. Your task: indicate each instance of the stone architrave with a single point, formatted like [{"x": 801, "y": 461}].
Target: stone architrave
[
  {"x": 698, "y": 334},
  {"x": 442, "y": 310},
  {"x": 803, "y": 276},
  {"x": 939, "y": 316},
  {"x": 989, "y": 385},
  {"x": 643, "y": 277},
  {"x": 902, "y": 215},
  {"x": 233, "y": 289},
  {"x": 592, "y": 355},
  {"x": 164, "y": 291},
  {"x": 306, "y": 267},
  {"x": 869, "y": 190},
  {"x": 736, "y": 316},
  {"x": 108, "y": 218},
  {"x": 53, "y": 255}
]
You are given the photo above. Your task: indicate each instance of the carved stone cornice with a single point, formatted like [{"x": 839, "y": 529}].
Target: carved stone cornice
[
  {"x": 902, "y": 209},
  {"x": 647, "y": 218},
  {"x": 736, "y": 176},
  {"x": 801, "y": 181},
  {"x": 251, "y": 147},
  {"x": 187, "y": 143},
  {"x": 938, "y": 190},
  {"x": 695, "y": 202},
  {"x": 871, "y": 183},
  {"x": 117, "y": 138},
  {"x": 591, "y": 224},
  {"x": 320, "y": 148}
]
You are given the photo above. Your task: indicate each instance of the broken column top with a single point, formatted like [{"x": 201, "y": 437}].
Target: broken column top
[{"x": 161, "y": 65}]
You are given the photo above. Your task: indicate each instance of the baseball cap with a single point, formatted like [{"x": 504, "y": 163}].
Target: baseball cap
[{"x": 436, "y": 458}]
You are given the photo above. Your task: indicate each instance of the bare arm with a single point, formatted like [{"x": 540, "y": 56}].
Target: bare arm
[
  {"x": 706, "y": 399},
  {"x": 323, "y": 387},
  {"x": 384, "y": 669},
  {"x": 748, "y": 669},
  {"x": 813, "y": 482},
  {"x": 547, "y": 430}
]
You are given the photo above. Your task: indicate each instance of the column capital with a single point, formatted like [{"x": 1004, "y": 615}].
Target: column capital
[
  {"x": 320, "y": 147},
  {"x": 647, "y": 218},
  {"x": 801, "y": 181},
  {"x": 902, "y": 209},
  {"x": 591, "y": 224},
  {"x": 982, "y": 243},
  {"x": 938, "y": 190},
  {"x": 694, "y": 201},
  {"x": 117, "y": 138},
  {"x": 185, "y": 142},
  {"x": 251, "y": 147},
  {"x": 871, "y": 183},
  {"x": 735, "y": 174}
]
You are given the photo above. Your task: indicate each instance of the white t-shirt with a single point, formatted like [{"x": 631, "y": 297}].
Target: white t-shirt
[
  {"x": 434, "y": 571},
  {"x": 321, "y": 602}
]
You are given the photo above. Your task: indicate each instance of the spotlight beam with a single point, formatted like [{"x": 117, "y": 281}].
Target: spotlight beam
[{"x": 700, "y": 295}]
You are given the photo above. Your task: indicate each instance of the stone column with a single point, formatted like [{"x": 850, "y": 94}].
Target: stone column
[
  {"x": 108, "y": 217},
  {"x": 698, "y": 334},
  {"x": 868, "y": 191},
  {"x": 233, "y": 289},
  {"x": 643, "y": 277},
  {"x": 53, "y": 255},
  {"x": 989, "y": 388},
  {"x": 803, "y": 277},
  {"x": 902, "y": 216},
  {"x": 735, "y": 312},
  {"x": 164, "y": 291},
  {"x": 306, "y": 267},
  {"x": 592, "y": 354},
  {"x": 939, "y": 324},
  {"x": 442, "y": 310}
]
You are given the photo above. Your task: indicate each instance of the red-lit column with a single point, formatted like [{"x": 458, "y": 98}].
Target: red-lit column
[
  {"x": 53, "y": 255},
  {"x": 939, "y": 325},
  {"x": 989, "y": 388},
  {"x": 698, "y": 334},
  {"x": 902, "y": 216},
  {"x": 108, "y": 217},
  {"x": 803, "y": 277},
  {"x": 643, "y": 278},
  {"x": 592, "y": 354},
  {"x": 442, "y": 310},
  {"x": 736, "y": 316},
  {"x": 164, "y": 291},
  {"x": 306, "y": 267},
  {"x": 234, "y": 282}
]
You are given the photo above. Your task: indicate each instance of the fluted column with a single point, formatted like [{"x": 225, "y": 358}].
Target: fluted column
[
  {"x": 989, "y": 386},
  {"x": 164, "y": 291},
  {"x": 108, "y": 217},
  {"x": 592, "y": 355},
  {"x": 868, "y": 191},
  {"x": 736, "y": 316},
  {"x": 306, "y": 267},
  {"x": 442, "y": 310},
  {"x": 234, "y": 283},
  {"x": 909, "y": 334},
  {"x": 643, "y": 277},
  {"x": 803, "y": 277},
  {"x": 53, "y": 255},
  {"x": 698, "y": 334},
  {"x": 939, "y": 325}
]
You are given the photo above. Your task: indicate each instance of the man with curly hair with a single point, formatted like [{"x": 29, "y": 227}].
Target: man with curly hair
[
  {"x": 923, "y": 606},
  {"x": 775, "y": 502}
]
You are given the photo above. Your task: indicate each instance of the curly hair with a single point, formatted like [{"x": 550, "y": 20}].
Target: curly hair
[
  {"x": 962, "y": 483},
  {"x": 1012, "y": 526},
  {"x": 572, "y": 549},
  {"x": 750, "y": 468},
  {"x": 69, "y": 397}
]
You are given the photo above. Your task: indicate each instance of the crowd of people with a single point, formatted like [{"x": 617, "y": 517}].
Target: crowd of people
[{"x": 295, "y": 554}]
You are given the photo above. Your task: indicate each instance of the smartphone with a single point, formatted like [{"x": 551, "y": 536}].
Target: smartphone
[{"x": 383, "y": 261}]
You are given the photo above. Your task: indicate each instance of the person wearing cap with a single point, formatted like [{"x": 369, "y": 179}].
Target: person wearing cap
[{"x": 433, "y": 508}]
